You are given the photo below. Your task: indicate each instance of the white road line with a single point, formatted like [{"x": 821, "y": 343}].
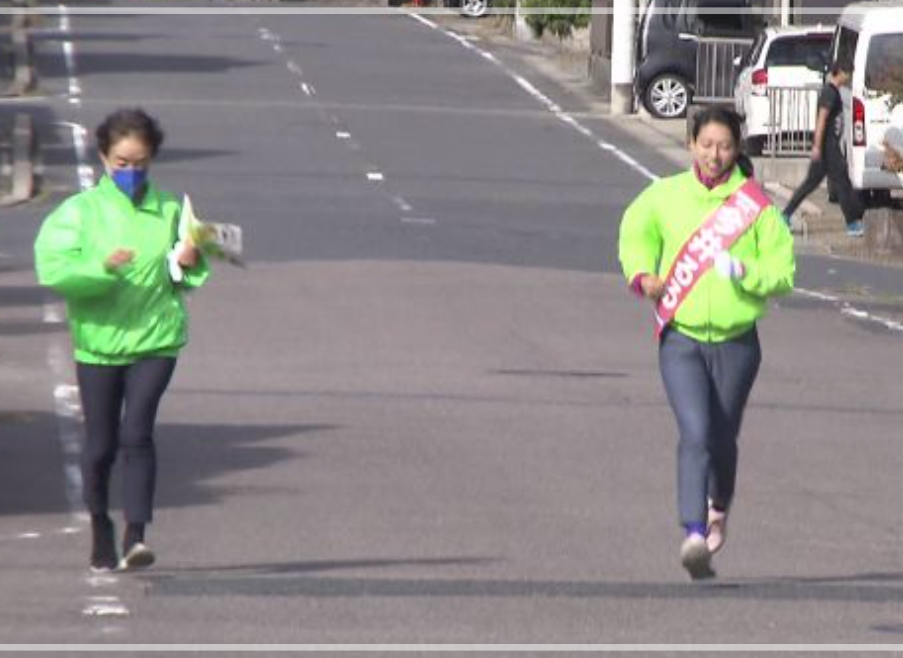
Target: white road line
[
  {"x": 308, "y": 89},
  {"x": 375, "y": 176},
  {"x": 53, "y": 313},
  {"x": 85, "y": 171},
  {"x": 115, "y": 609},
  {"x": 75, "y": 89},
  {"x": 98, "y": 580},
  {"x": 28, "y": 535},
  {"x": 547, "y": 102},
  {"x": 849, "y": 310},
  {"x": 402, "y": 204},
  {"x": 343, "y": 135},
  {"x": 426, "y": 221}
]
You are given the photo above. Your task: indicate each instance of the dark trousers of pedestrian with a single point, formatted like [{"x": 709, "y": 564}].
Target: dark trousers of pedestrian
[
  {"x": 707, "y": 385},
  {"x": 832, "y": 165},
  {"x": 120, "y": 407}
]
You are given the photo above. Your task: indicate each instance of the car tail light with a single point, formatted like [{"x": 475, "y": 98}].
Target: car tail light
[
  {"x": 858, "y": 122},
  {"x": 759, "y": 82}
]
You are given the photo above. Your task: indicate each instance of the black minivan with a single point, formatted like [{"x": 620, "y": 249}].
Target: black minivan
[{"x": 666, "y": 47}]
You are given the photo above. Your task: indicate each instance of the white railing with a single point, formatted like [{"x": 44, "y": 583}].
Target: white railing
[
  {"x": 716, "y": 71},
  {"x": 791, "y": 120}
]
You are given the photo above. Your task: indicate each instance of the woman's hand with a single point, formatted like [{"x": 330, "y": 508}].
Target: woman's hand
[
  {"x": 653, "y": 287},
  {"x": 188, "y": 256},
  {"x": 118, "y": 259}
]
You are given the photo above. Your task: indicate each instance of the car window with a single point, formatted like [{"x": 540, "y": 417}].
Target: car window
[
  {"x": 719, "y": 18},
  {"x": 884, "y": 63},
  {"x": 796, "y": 51}
]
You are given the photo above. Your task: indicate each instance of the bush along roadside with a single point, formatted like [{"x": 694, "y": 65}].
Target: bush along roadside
[{"x": 561, "y": 25}]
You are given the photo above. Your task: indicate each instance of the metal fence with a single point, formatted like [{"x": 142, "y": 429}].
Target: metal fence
[
  {"x": 716, "y": 69},
  {"x": 791, "y": 120}
]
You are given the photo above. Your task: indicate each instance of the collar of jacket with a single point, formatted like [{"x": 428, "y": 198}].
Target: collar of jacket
[
  {"x": 722, "y": 191},
  {"x": 150, "y": 201}
]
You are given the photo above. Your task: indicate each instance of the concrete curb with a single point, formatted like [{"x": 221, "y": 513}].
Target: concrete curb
[{"x": 22, "y": 170}]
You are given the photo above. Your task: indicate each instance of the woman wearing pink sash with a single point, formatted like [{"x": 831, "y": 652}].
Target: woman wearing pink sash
[{"x": 708, "y": 249}]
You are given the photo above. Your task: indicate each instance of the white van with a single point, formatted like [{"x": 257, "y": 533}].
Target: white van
[{"x": 870, "y": 36}]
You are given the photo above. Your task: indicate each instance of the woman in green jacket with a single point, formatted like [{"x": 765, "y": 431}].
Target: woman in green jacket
[
  {"x": 113, "y": 253},
  {"x": 708, "y": 249}
]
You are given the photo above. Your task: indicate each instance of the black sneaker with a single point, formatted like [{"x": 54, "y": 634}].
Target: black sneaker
[
  {"x": 103, "y": 545},
  {"x": 139, "y": 556}
]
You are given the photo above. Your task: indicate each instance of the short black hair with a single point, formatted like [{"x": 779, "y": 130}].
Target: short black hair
[
  {"x": 841, "y": 66},
  {"x": 127, "y": 122}
]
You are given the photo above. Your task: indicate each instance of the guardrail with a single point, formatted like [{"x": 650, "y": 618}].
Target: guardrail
[
  {"x": 791, "y": 120},
  {"x": 716, "y": 72}
]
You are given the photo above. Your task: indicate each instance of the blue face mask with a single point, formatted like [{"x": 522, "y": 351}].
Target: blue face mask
[{"x": 130, "y": 180}]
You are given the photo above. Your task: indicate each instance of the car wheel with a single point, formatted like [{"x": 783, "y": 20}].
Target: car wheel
[
  {"x": 667, "y": 96},
  {"x": 474, "y": 8}
]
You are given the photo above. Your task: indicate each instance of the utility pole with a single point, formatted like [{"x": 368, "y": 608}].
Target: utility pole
[
  {"x": 622, "y": 56},
  {"x": 521, "y": 29}
]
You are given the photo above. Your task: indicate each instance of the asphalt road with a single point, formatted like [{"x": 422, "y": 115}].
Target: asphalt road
[{"x": 427, "y": 412}]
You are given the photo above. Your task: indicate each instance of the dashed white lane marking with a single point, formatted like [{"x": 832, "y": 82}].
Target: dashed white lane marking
[
  {"x": 426, "y": 221},
  {"x": 375, "y": 176},
  {"x": 308, "y": 89},
  {"x": 403, "y": 205},
  {"x": 53, "y": 314},
  {"x": 28, "y": 535},
  {"x": 80, "y": 144},
  {"x": 75, "y": 89},
  {"x": 114, "y": 608},
  {"x": 849, "y": 310},
  {"x": 343, "y": 135}
]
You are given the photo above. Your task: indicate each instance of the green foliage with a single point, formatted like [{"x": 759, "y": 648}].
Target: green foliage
[{"x": 562, "y": 25}]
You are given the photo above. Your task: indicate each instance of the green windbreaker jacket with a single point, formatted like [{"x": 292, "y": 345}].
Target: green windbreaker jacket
[
  {"x": 659, "y": 222},
  {"x": 117, "y": 318}
]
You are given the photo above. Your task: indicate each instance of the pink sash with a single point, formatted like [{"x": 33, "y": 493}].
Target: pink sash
[{"x": 721, "y": 230}]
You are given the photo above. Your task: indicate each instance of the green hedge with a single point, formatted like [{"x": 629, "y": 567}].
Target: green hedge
[{"x": 561, "y": 25}]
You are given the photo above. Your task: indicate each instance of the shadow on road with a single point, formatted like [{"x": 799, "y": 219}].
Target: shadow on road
[
  {"x": 11, "y": 296},
  {"x": 191, "y": 455},
  {"x": 862, "y": 588},
  {"x": 134, "y": 63},
  {"x": 315, "y": 566},
  {"x": 31, "y": 461}
]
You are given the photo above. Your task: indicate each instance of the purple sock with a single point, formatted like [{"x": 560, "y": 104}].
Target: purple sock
[{"x": 695, "y": 529}]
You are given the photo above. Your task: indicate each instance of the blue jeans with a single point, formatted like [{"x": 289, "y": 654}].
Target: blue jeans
[{"x": 707, "y": 385}]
